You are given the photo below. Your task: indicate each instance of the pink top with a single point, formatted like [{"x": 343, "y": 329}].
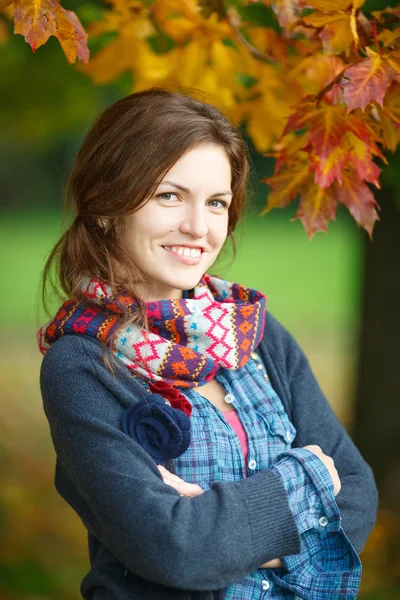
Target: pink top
[{"x": 234, "y": 422}]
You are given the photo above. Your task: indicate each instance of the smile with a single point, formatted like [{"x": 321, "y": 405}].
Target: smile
[{"x": 188, "y": 256}]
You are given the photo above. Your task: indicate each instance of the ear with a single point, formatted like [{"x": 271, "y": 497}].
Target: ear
[{"x": 103, "y": 223}]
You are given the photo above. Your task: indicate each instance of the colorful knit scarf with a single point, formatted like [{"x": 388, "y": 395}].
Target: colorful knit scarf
[{"x": 217, "y": 324}]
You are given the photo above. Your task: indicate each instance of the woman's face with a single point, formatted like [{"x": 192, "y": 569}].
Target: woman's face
[{"x": 177, "y": 235}]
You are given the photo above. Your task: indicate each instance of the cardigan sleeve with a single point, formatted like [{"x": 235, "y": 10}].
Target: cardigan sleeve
[
  {"x": 316, "y": 423},
  {"x": 118, "y": 492}
]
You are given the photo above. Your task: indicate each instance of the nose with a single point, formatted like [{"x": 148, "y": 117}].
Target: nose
[{"x": 195, "y": 222}]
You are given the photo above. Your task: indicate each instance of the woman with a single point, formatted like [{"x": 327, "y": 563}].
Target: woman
[{"x": 194, "y": 444}]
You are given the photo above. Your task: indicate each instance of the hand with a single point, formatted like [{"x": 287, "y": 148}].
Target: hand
[
  {"x": 275, "y": 563},
  {"x": 185, "y": 489},
  {"x": 329, "y": 464}
]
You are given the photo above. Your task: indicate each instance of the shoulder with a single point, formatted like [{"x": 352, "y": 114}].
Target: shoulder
[
  {"x": 74, "y": 369},
  {"x": 76, "y": 353}
]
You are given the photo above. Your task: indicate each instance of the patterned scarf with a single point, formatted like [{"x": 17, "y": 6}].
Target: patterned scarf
[{"x": 217, "y": 324}]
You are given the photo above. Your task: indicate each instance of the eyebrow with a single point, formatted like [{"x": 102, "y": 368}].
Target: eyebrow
[{"x": 183, "y": 189}]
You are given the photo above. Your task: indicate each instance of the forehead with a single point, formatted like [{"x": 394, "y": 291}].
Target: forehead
[{"x": 205, "y": 166}]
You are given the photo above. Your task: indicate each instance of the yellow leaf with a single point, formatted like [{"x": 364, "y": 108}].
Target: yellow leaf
[
  {"x": 388, "y": 37},
  {"x": 179, "y": 18},
  {"x": 338, "y": 30},
  {"x": 391, "y": 103},
  {"x": 391, "y": 134},
  {"x": 328, "y": 5}
]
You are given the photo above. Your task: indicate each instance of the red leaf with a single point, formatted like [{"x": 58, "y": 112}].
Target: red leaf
[
  {"x": 358, "y": 198},
  {"x": 367, "y": 81},
  {"x": 316, "y": 208}
]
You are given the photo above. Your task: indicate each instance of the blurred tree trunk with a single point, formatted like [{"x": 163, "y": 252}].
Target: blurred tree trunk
[{"x": 377, "y": 411}]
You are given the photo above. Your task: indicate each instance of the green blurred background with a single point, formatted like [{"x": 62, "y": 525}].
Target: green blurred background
[{"x": 318, "y": 289}]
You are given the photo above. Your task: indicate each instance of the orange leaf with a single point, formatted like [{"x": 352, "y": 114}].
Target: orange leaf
[
  {"x": 5, "y": 3},
  {"x": 358, "y": 198},
  {"x": 317, "y": 207},
  {"x": 37, "y": 20},
  {"x": 367, "y": 81},
  {"x": 286, "y": 184}
]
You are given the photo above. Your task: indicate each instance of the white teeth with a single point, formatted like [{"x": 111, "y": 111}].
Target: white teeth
[{"x": 183, "y": 251}]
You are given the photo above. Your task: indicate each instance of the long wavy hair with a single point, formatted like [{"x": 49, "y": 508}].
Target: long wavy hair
[{"x": 119, "y": 165}]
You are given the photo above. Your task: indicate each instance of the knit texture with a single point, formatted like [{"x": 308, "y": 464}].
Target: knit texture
[{"x": 218, "y": 325}]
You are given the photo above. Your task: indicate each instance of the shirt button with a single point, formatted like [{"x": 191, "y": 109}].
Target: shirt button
[
  {"x": 259, "y": 366},
  {"x": 266, "y": 377},
  {"x": 323, "y": 521},
  {"x": 265, "y": 584},
  {"x": 254, "y": 356},
  {"x": 252, "y": 464},
  {"x": 168, "y": 402},
  {"x": 229, "y": 398},
  {"x": 288, "y": 436}
]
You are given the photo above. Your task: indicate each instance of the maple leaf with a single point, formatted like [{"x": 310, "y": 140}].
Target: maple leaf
[
  {"x": 359, "y": 200},
  {"x": 286, "y": 184},
  {"x": 316, "y": 208},
  {"x": 337, "y": 33},
  {"x": 352, "y": 150},
  {"x": 327, "y": 125},
  {"x": 367, "y": 81},
  {"x": 37, "y": 20}
]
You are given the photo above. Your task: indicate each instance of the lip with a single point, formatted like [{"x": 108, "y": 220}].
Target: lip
[{"x": 186, "y": 260}]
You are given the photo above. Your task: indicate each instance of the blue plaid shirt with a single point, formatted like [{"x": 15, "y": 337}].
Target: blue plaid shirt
[{"x": 327, "y": 566}]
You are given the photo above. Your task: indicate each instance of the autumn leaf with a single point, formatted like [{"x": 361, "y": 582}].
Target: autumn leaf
[
  {"x": 285, "y": 185},
  {"x": 329, "y": 5},
  {"x": 37, "y": 20},
  {"x": 352, "y": 150},
  {"x": 327, "y": 125},
  {"x": 390, "y": 132},
  {"x": 336, "y": 34},
  {"x": 367, "y": 81},
  {"x": 391, "y": 103},
  {"x": 316, "y": 208},
  {"x": 359, "y": 200}
]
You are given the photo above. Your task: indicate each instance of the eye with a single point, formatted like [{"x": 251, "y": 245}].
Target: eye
[
  {"x": 218, "y": 203},
  {"x": 166, "y": 196}
]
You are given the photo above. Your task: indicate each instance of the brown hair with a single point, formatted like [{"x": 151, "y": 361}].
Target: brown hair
[{"x": 122, "y": 160}]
